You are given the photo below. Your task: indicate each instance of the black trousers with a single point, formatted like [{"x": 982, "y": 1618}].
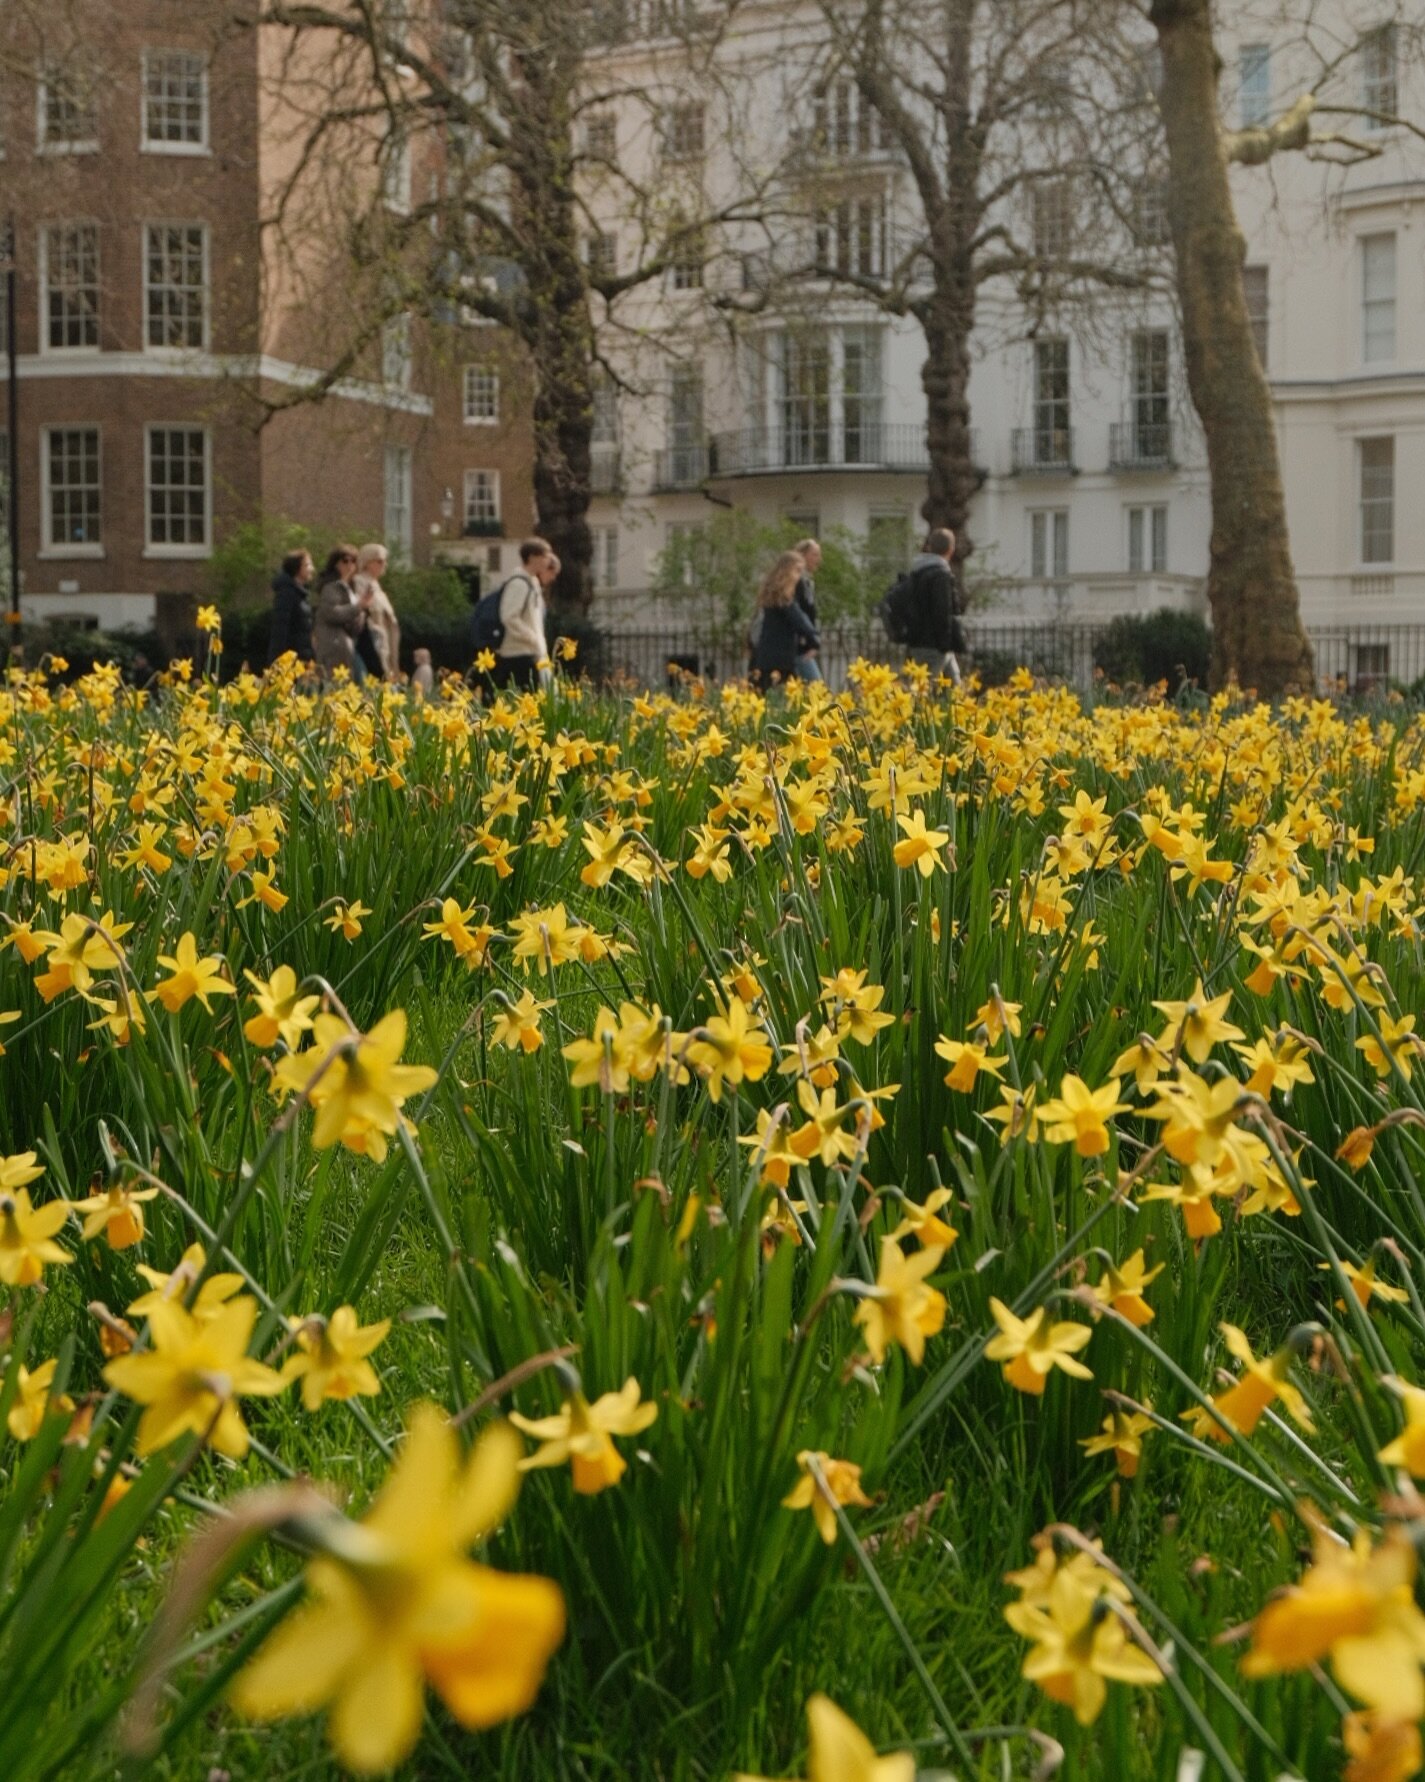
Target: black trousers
[{"x": 510, "y": 671}]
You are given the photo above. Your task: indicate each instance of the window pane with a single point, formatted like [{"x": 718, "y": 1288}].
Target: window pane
[
  {"x": 1256, "y": 86},
  {"x": 176, "y": 285},
  {"x": 1378, "y": 298},
  {"x": 1256, "y": 285},
  {"x": 1135, "y": 541},
  {"x": 71, "y": 252},
  {"x": 72, "y": 466},
  {"x": 1051, "y": 402},
  {"x": 177, "y": 486},
  {"x": 175, "y": 109},
  {"x": 1160, "y": 541},
  {"x": 1377, "y": 500}
]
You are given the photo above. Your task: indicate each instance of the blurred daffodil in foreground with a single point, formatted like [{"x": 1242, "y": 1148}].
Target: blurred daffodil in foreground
[
  {"x": 394, "y": 1604},
  {"x": 840, "y": 1752},
  {"x": 1079, "y": 1645}
]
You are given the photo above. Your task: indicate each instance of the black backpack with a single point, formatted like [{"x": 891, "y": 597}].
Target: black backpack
[
  {"x": 487, "y": 628},
  {"x": 897, "y": 609}
]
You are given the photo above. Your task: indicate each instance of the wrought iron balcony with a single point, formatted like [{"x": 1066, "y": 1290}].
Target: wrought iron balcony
[
  {"x": 1043, "y": 451},
  {"x": 817, "y": 445},
  {"x": 683, "y": 466},
  {"x": 1141, "y": 445}
]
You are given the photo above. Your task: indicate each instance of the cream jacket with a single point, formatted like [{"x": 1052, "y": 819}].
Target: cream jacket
[{"x": 522, "y": 614}]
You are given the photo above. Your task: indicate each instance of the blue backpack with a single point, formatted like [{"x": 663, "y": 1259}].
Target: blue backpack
[{"x": 487, "y": 628}]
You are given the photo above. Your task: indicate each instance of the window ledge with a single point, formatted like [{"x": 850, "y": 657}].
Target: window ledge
[
  {"x": 72, "y": 553},
  {"x": 482, "y": 420},
  {"x": 67, "y": 148},
  {"x": 177, "y": 553},
  {"x": 186, "y": 150}
]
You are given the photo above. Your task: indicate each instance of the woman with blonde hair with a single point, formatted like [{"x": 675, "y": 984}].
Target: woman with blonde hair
[
  {"x": 372, "y": 561},
  {"x": 787, "y": 636}
]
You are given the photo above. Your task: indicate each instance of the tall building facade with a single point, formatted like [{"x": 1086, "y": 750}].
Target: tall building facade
[
  {"x": 170, "y": 337},
  {"x": 1094, "y": 489}
]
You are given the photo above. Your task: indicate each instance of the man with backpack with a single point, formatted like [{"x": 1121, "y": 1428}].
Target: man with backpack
[
  {"x": 921, "y": 612},
  {"x": 508, "y": 622}
]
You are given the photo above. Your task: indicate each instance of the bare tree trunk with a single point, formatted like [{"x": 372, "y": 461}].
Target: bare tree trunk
[
  {"x": 945, "y": 378},
  {"x": 1256, "y": 616}
]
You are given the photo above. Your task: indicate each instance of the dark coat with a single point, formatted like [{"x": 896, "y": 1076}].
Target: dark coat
[
  {"x": 934, "y": 625},
  {"x": 805, "y": 596},
  {"x": 291, "y": 619},
  {"x": 786, "y": 634}
]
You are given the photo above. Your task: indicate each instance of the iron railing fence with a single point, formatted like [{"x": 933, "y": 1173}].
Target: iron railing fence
[{"x": 1363, "y": 661}]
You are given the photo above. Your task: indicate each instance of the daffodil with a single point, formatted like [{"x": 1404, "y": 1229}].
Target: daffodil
[
  {"x": 967, "y": 1061},
  {"x": 331, "y": 1357},
  {"x": 1031, "y": 1348},
  {"x": 516, "y": 1024},
  {"x": 901, "y": 1308},
  {"x": 356, "y": 1082},
  {"x": 732, "y": 1049},
  {"x": 1121, "y": 1436},
  {"x": 1079, "y": 1115},
  {"x": 1408, "y": 1448},
  {"x": 347, "y": 918},
  {"x": 34, "y": 1401},
  {"x": 842, "y": 1479},
  {"x": 1079, "y": 1645},
  {"x": 1198, "y": 1024},
  {"x": 1122, "y": 1286},
  {"x": 1398, "y": 1045},
  {"x": 1354, "y": 1609},
  {"x": 191, "y": 1379},
  {"x": 1381, "y": 1749},
  {"x": 395, "y": 1605},
  {"x": 27, "y": 1232},
  {"x": 581, "y": 1434},
  {"x": 921, "y": 1220},
  {"x": 919, "y": 847},
  {"x": 117, "y": 1214},
  {"x": 1259, "y": 1386},
  {"x": 189, "y": 977},
  {"x": 840, "y": 1752},
  {"x": 175, "y": 1286},
  {"x": 282, "y": 1012}
]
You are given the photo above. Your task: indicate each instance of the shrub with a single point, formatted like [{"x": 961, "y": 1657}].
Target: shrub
[{"x": 1164, "y": 646}]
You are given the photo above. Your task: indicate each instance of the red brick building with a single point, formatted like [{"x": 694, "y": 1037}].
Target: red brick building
[{"x": 169, "y": 329}]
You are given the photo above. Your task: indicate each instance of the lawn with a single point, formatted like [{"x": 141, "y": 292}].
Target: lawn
[{"x": 677, "y": 1236}]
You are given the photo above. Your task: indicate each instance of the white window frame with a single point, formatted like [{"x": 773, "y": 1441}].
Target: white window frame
[
  {"x": 1380, "y": 86},
  {"x": 398, "y": 468},
  {"x": 1262, "y": 316},
  {"x": 65, "y": 549},
  {"x": 148, "y": 289},
  {"x": 1049, "y": 544},
  {"x": 177, "y": 553},
  {"x": 1254, "y": 100},
  {"x": 398, "y": 174},
  {"x": 398, "y": 354},
  {"x": 680, "y": 154},
  {"x": 69, "y": 352},
  {"x": 1148, "y": 538},
  {"x": 491, "y": 486},
  {"x": 602, "y": 123},
  {"x": 151, "y": 146},
  {"x": 1374, "y": 565},
  {"x": 1374, "y": 308},
  {"x": 85, "y": 145},
  {"x": 468, "y": 411},
  {"x": 606, "y": 558}
]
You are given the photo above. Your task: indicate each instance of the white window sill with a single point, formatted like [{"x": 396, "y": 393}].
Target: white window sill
[
  {"x": 79, "y": 352},
  {"x": 189, "y": 150},
  {"x": 67, "y": 148},
  {"x": 177, "y": 553},
  {"x": 172, "y": 355},
  {"x": 482, "y": 420},
  {"x": 72, "y": 553}
]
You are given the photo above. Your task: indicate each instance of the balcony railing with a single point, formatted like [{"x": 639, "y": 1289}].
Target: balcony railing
[
  {"x": 682, "y": 467},
  {"x": 1140, "y": 445},
  {"x": 605, "y": 469},
  {"x": 817, "y": 445},
  {"x": 1043, "y": 451}
]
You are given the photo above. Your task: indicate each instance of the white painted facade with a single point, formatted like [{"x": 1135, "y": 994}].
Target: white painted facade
[{"x": 710, "y": 410}]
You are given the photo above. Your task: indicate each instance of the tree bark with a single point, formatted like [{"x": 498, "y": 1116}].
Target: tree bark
[{"x": 1258, "y": 639}]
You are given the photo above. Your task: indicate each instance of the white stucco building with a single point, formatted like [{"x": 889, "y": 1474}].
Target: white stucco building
[{"x": 1095, "y": 496}]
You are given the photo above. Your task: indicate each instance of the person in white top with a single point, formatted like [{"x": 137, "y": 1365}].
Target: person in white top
[
  {"x": 522, "y": 658},
  {"x": 381, "y": 620}
]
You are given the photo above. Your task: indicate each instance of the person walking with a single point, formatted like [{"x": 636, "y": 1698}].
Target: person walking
[
  {"x": 291, "y": 610},
  {"x": 786, "y": 637},
  {"x": 383, "y": 627},
  {"x": 809, "y": 550},
  {"x": 524, "y": 648},
  {"x": 340, "y": 618},
  {"x": 920, "y": 609}
]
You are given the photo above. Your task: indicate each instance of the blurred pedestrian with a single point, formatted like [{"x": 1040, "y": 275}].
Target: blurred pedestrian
[
  {"x": 340, "y": 617},
  {"x": 291, "y": 609},
  {"x": 384, "y": 628}
]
